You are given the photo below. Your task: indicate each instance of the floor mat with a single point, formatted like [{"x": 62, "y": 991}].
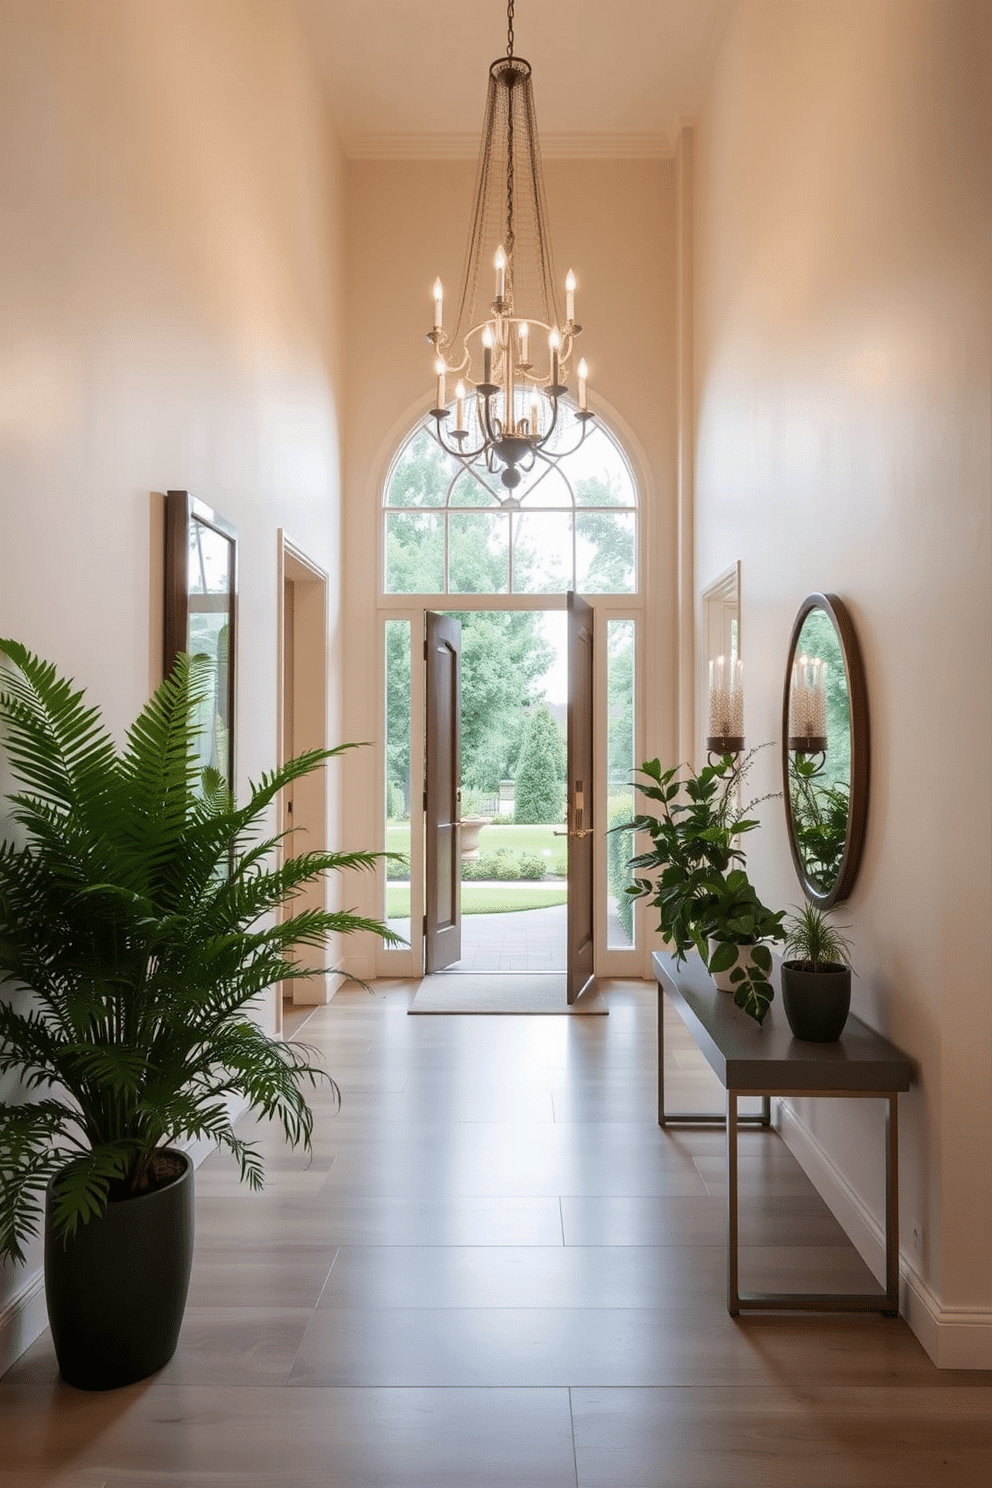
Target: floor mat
[{"x": 502, "y": 992}]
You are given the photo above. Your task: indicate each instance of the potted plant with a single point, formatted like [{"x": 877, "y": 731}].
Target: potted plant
[
  {"x": 701, "y": 890},
  {"x": 816, "y": 976},
  {"x": 139, "y": 920}
]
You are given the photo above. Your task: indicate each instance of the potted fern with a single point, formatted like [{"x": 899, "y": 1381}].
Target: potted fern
[
  {"x": 816, "y": 976},
  {"x": 699, "y": 883},
  {"x": 139, "y": 921}
]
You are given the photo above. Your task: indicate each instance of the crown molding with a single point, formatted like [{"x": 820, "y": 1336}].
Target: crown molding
[{"x": 466, "y": 146}]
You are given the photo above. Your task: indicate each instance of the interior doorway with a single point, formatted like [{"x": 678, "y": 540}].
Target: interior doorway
[{"x": 302, "y": 687}]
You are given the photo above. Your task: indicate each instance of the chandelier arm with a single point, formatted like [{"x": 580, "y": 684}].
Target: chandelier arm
[
  {"x": 584, "y": 419},
  {"x": 491, "y": 425},
  {"x": 456, "y": 450}
]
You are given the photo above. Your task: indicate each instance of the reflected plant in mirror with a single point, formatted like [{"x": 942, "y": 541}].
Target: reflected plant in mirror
[{"x": 825, "y": 749}]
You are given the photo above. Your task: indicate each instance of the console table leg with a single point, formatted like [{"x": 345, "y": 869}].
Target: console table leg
[
  {"x": 892, "y": 1205},
  {"x": 733, "y": 1292},
  {"x": 661, "y": 1056}
]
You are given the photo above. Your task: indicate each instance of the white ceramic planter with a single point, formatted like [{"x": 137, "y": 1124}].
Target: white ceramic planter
[{"x": 721, "y": 979}]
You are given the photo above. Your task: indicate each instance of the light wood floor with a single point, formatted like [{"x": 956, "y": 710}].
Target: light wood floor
[{"x": 497, "y": 1272}]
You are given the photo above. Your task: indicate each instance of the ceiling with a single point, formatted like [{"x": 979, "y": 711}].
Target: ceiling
[{"x": 407, "y": 78}]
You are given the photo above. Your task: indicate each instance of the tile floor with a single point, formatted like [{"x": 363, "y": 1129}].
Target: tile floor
[{"x": 497, "y": 1272}]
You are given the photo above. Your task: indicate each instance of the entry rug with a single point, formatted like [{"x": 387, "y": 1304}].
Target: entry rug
[{"x": 502, "y": 992}]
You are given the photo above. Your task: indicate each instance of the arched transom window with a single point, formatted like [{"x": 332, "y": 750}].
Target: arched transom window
[{"x": 570, "y": 524}]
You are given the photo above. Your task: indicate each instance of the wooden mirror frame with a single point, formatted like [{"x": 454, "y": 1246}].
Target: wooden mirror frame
[
  {"x": 857, "y": 696},
  {"x": 182, "y": 513}
]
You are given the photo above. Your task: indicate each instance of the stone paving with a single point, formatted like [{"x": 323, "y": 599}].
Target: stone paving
[{"x": 530, "y": 940}]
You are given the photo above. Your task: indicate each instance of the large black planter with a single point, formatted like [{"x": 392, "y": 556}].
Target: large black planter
[
  {"x": 116, "y": 1291},
  {"x": 816, "y": 1002}
]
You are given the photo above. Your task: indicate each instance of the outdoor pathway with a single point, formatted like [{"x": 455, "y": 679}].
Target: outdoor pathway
[{"x": 528, "y": 940}]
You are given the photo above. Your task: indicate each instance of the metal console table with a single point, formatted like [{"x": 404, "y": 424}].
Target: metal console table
[{"x": 765, "y": 1060}]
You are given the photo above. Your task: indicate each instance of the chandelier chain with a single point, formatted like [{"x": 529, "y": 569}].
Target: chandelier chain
[
  {"x": 509, "y": 182},
  {"x": 509, "y": 28}
]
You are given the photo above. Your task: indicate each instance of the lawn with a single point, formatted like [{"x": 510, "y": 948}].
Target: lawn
[
  {"x": 485, "y": 898},
  {"x": 491, "y": 839}
]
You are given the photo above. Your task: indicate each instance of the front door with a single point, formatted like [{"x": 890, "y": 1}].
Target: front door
[
  {"x": 442, "y": 797},
  {"x": 581, "y": 946}
]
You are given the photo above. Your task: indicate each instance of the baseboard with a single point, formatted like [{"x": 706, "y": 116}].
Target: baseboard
[
  {"x": 316, "y": 991},
  {"x": 24, "y": 1317},
  {"x": 954, "y": 1337}
]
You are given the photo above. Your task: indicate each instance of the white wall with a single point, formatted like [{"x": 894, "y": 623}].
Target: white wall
[
  {"x": 843, "y": 444},
  {"x": 614, "y": 223},
  {"x": 171, "y": 283}
]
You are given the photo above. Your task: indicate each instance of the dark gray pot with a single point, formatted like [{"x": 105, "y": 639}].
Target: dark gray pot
[
  {"x": 816, "y": 1002},
  {"x": 116, "y": 1291}
]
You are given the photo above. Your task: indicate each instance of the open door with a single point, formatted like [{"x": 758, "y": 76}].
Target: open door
[
  {"x": 442, "y": 797},
  {"x": 580, "y": 886}
]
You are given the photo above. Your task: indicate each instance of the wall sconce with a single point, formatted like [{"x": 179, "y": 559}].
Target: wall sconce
[{"x": 725, "y": 734}]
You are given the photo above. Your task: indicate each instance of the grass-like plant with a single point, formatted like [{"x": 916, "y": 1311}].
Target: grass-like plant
[
  {"x": 813, "y": 943},
  {"x": 141, "y": 916}
]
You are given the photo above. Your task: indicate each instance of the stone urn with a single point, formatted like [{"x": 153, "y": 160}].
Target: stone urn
[{"x": 471, "y": 828}]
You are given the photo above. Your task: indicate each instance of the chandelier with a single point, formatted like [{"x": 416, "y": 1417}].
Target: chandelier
[{"x": 511, "y": 348}]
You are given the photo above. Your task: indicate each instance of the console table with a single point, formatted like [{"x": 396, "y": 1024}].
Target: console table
[{"x": 764, "y": 1059}]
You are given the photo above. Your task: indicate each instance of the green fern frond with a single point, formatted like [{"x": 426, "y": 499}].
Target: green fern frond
[{"x": 138, "y": 910}]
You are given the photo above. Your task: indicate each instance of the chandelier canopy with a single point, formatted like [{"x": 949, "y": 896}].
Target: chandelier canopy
[{"x": 511, "y": 347}]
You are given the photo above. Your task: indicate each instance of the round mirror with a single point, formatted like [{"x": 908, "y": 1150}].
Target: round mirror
[{"x": 825, "y": 749}]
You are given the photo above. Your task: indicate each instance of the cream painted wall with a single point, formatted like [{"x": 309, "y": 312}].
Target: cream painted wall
[
  {"x": 843, "y": 443},
  {"x": 614, "y": 223},
  {"x": 171, "y": 283}
]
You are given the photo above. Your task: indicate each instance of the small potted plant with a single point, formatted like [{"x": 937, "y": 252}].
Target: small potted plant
[
  {"x": 816, "y": 976},
  {"x": 700, "y": 887}
]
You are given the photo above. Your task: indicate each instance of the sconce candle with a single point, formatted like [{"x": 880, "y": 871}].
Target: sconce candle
[
  {"x": 808, "y": 705},
  {"x": 725, "y": 734}
]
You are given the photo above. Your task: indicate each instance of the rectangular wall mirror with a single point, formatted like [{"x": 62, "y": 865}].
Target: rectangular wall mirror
[{"x": 201, "y": 588}]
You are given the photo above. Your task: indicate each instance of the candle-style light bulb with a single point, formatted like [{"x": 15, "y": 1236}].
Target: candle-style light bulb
[
  {"x": 440, "y": 369},
  {"x": 487, "y": 354},
  {"x": 499, "y": 262},
  {"x": 583, "y": 372},
  {"x": 523, "y": 337},
  {"x": 459, "y": 405},
  {"x": 438, "y": 304},
  {"x": 570, "y": 297},
  {"x": 554, "y": 341}
]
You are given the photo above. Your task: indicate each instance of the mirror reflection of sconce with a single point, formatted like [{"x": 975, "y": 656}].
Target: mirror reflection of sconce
[{"x": 825, "y": 749}]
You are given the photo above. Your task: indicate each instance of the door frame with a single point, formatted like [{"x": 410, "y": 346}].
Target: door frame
[
  {"x": 403, "y": 962},
  {"x": 302, "y": 696}
]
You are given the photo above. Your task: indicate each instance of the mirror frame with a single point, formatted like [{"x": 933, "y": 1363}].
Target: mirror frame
[{"x": 857, "y": 694}]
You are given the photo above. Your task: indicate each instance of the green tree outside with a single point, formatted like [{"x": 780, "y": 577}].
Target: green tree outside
[{"x": 540, "y": 786}]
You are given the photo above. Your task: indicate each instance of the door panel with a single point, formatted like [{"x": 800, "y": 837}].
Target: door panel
[
  {"x": 443, "y": 918},
  {"x": 581, "y": 946}
]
